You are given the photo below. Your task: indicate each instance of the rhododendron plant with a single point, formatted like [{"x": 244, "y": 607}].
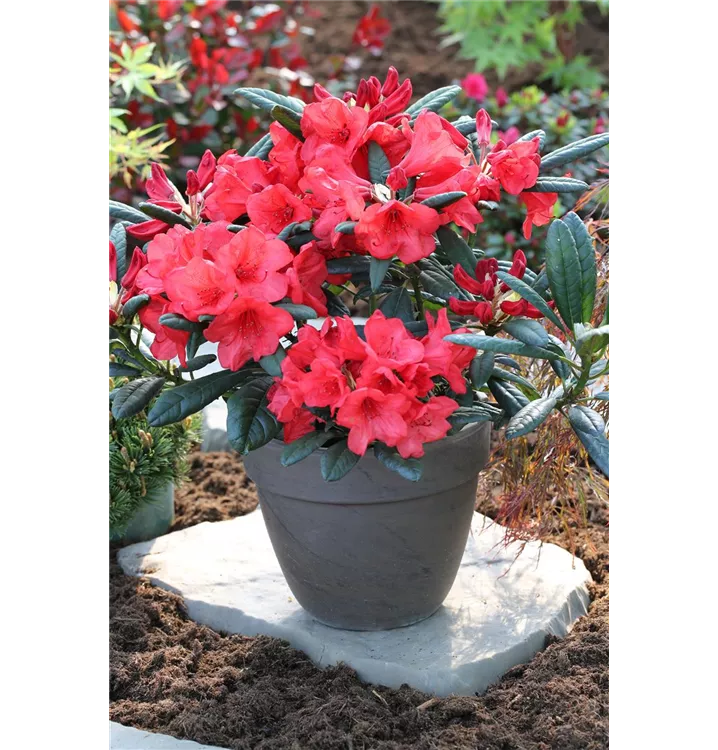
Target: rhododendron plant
[{"x": 361, "y": 200}]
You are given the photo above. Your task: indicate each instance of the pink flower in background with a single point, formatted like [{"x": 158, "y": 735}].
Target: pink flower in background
[
  {"x": 502, "y": 98},
  {"x": 511, "y": 135},
  {"x": 475, "y": 86}
]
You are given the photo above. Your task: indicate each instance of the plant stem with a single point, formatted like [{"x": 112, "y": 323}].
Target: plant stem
[{"x": 414, "y": 276}]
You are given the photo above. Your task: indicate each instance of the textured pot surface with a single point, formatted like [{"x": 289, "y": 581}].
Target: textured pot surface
[
  {"x": 372, "y": 551},
  {"x": 152, "y": 519}
]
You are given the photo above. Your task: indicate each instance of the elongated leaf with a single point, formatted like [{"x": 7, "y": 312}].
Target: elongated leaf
[
  {"x": 298, "y": 312},
  {"x": 134, "y": 305},
  {"x": 477, "y": 413},
  {"x": 379, "y": 166},
  {"x": 508, "y": 362},
  {"x": 528, "y": 331},
  {"x": 301, "y": 238},
  {"x": 337, "y": 461},
  {"x": 529, "y": 276},
  {"x": 335, "y": 305},
  {"x": 482, "y": 365},
  {"x": 196, "y": 339},
  {"x": 118, "y": 237},
  {"x": 123, "y": 212},
  {"x": 377, "y": 272},
  {"x": 444, "y": 199},
  {"x": 502, "y": 346},
  {"x": 510, "y": 398},
  {"x": 434, "y": 100},
  {"x": 591, "y": 430},
  {"x": 164, "y": 214},
  {"x": 133, "y": 397},
  {"x": 235, "y": 228},
  {"x": 404, "y": 193},
  {"x": 267, "y": 100},
  {"x": 250, "y": 425},
  {"x": 197, "y": 363},
  {"x": 587, "y": 261},
  {"x": 530, "y": 295},
  {"x": 559, "y": 367},
  {"x": 566, "y": 275},
  {"x": 287, "y": 231},
  {"x": 346, "y": 227},
  {"x": 530, "y": 417},
  {"x": 540, "y": 134},
  {"x": 289, "y": 119},
  {"x": 118, "y": 370},
  {"x": 558, "y": 185},
  {"x": 602, "y": 396},
  {"x": 457, "y": 250},
  {"x": 299, "y": 449},
  {"x": 573, "y": 151},
  {"x": 261, "y": 148},
  {"x": 351, "y": 264},
  {"x": 438, "y": 285},
  {"x": 590, "y": 340},
  {"x": 272, "y": 363},
  {"x": 178, "y": 323},
  {"x": 182, "y": 400},
  {"x": 521, "y": 382},
  {"x": 398, "y": 305},
  {"x": 409, "y": 468}
]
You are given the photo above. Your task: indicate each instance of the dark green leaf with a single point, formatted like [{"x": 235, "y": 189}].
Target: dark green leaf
[
  {"x": 118, "y": 237},
  {"x": 530, "y": 417},
  {"x": 196, "y": 339},
  {"x": 521, "y": 382},
  {"x": 337, "y": 461},
  {"x": 272, "y": 363},
  {"x": 261, "y": 149},
  {"x": 438, "y": 285},
  {"x": 179, "y": 402},
  {"x": 566, "y": 275},
  {"x": 235, "y": 228},
  {"x": 404, "y": 193},
  {"x": 350, "y": 264},
  {"x": 589, "y": 340},
  {"x": 482, "y": 365},
  {"x": 457, "y": 250},
  {"x": 197, "y": 363},
  {"x": 299, "y": 449},
  {"x": 250, "y": 425},
  {"x": 133, "y": 305},
  {"x": 409, "y": 468},
  {"x": 573, "y": 151},
  {"x": 164, "y": 214},
  {"x": 398, "y": 305},
  {"x": 559, "y": 367},
  {"x": 178, "y": 323},
  {"x": 444, "y": 199},
  {"x": 502, "y": 346},
  {"x": 123, "y": 212},
  {"x": 527, "y": 330},
  {"x": 298, "y": 312},
  {"x": 118, "y": 370},
  {"x": 530, "y": 295},
  {"x": 587, "y": 261},
  {"x": 477, "y": 413},
  {"x": 377, "y": 271},
  {"x": 346, "y": 227},
  {"x": 297, "y": 240},
  {"x": 379, "y": 166},
  {"x": 289, "y": 119},
  {"x": 286, "y": 233},
  {"x": 266, "y": 100},
  {"x": 435, "y": 100},
  {"x": 508, "y": 362},
  {"x": 558, "y": 185},
  {"x": 133, "y": 397},
  {"x": 591, "y": 430},
  {"x": 510, "y": 398},
  {"x": 335, "y": 305}
]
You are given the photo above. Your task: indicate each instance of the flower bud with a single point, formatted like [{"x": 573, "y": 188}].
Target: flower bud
[
  {"x": 397, "y": 179},
  {"x": 159, "y": 187},
  {"x": 362, "y": 95},
  {"x": 192, "y": 183},
  {"x": 320, "y": 93},
  {"x": 400, "y": 98},
  {"x": 483, "y": 127},
  {"x": 206, "y": 169},
  {"x": 391, "y": 82},
  {"x": 502, "y": 98}
]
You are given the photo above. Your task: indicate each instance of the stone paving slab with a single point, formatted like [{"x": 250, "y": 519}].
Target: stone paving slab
[{"x": 129, "y": 738}]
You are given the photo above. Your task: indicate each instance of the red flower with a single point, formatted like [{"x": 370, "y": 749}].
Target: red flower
[
  {"x": 475, "y": 86},
  {"x": 425, "y": 424},
  {"x": 274, "y": 208},
  {"x": 393, "y": 228},
  {"x": 285, "y": 155},
  {"x": 539, "y": 207},
  {"x": 113, "y": 261},
  {"x": 325, "y": 385},
  {"x": 372, "y": 30},
  {"x": 305, "y": 276},
  {"x": 168, "y": 342},
  {"x": 236, "y": 178},
  {"x": 249, "y": 329},
  {"x": 199, "y": 288},
  {"x": 502, "y": 98},
  {"x": 390, "y": 344},
  {"x": 372, "y": 415},
  {"x": 332, "y": 122},
  {"x": 483, "y": 127},
  {"x": 516, "y": 166},
  {"x": 138, "y": 262},
  {"x": 445, "y": 359}
]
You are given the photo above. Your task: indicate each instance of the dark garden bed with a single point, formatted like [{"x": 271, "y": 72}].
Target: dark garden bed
[{"x": 170, "y": 675}]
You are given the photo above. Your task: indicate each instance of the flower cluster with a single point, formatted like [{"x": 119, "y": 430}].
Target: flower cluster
[{"x": 380, "y": 388}]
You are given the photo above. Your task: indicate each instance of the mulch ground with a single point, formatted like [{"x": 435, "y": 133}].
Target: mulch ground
[{"x": 170, "y": 675}]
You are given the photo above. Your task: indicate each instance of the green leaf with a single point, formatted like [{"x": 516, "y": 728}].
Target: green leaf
[
  {"x": 133, "y": 397},
  {"x": 482, "y": 366},
  {"x": 530, "y": 417},
  {"x": 409, "y": 468},
  {"x": 602, "y": 396},
  {"x": 350, "y": 264},
  {"x": 510, "y": 398},
  {"x": 335, "y": 305},
  {"x": 589, "y": 340},
  {"x": 301, "y": 238},
  {"x": 337, "y": 461},
  {"x": 521, "y": 382},
  {"x": 196, "y": 339},
  {"x": 299, "y": 449},
  {"x": 197, "y": 363},
  {"x": 457, "y": 250},
  {"x": 404, "y": 193},
  {"x": 250, "y": 425},
  {"x": 235, "y": 228},
  {"x": 164, "y": 214},
  {"x": 528, "y": 331},
  {"x": 118, "y": 237},
  {"x": 530, "y": 295},
  {"x": 123, "y": 212},
  {"x": 540, "y": 134},
  {"x": 502, "y": 346},
  {"x": 435, "y": 100},
  {"x": 398, "y": 305},
  {"x": 179, "y": 402},
  {"x": 267, "y": 100},
  {"x": 444, "y": 199},
  {"x": 287, "y": 231},
  {"x": 272, "y": 363},
  {"x": 569, "y": 276},
  {"x": 587, "y": 261},
  {"x": 346, "y": 227},
  {"x": 477, "y": 413},
  {"x": 133, "y": 305},
  {"x": 261, "y": 149},
  {"x": 377, "y": 272},
  {"x": 178, "y": 323},
  {"x": 298, "y": 312},
  {"x": 118, "y": 370},
  {"x": 289, "y": 119},
  {"x": 379, "y": 166},
  {"x": 438, "y": 285},
  {"x": 591, "y": 430},
  {"x": 558, "y": 366},
  {"x": 573, "y": 151},
  {"x": 558, "y": 185}
]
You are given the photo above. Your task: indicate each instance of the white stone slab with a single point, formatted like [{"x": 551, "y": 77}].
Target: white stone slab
[
  {"x": 496, "y": 616},
  {"x": 129, "y": 738}
]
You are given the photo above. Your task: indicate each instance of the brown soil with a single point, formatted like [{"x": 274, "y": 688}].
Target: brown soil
[{"x": 169, "y": 675}]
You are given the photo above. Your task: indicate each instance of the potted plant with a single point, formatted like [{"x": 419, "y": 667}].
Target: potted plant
[{"x": 365, "y": 441}]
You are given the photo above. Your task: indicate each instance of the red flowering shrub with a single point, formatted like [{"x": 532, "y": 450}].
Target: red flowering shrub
[{"x": 341, "y": 197}]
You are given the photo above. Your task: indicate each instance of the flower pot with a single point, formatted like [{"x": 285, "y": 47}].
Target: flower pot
[
  {"x": 152, "y": 519},
  {"x": 372, "y": 551}
]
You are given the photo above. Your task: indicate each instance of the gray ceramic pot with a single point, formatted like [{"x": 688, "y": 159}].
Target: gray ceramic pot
[
  {"x": 372, "y": 551},
  {"x": 152, "y": 519}
]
